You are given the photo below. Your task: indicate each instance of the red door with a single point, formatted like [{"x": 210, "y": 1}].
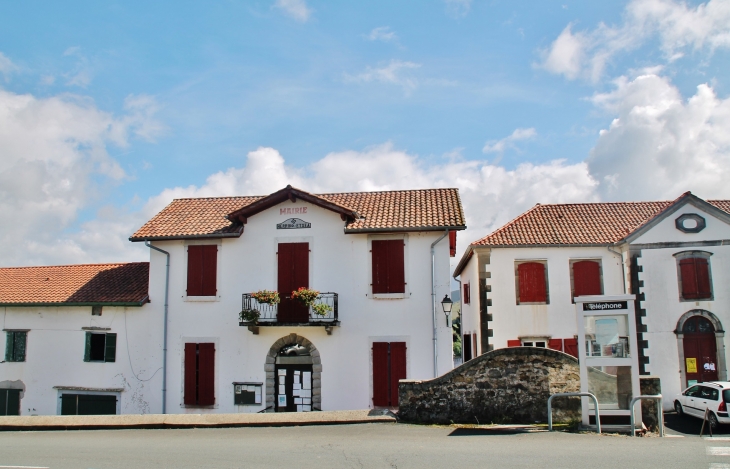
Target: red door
[
  {"x": 389, "y": 367},
  {"x": 293, "y": 266},
  {"x": 700, "y": 350}
]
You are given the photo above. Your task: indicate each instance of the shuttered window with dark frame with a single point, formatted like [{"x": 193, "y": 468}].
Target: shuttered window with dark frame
[
  {"x": 389, "y": 367},
  {"x": 586, "y": 278},
  {"x": 388, "y": 266},
  {"x": 467, "y": 293},
  {"x": 202, "y": 270},
  {"x": 100, "y": 347},
  {"x": 532, "y": 283},
  {"x": 9, "y": 402},
  {"x": 199, "y": 377},
  {"x": 695, "y": 278},
  {"x": 15, "y": 344}
]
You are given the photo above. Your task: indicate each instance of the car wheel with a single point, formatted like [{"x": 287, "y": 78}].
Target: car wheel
[
  {"x": 712, "y": 419},
  {"x": 678, "y": 408}
]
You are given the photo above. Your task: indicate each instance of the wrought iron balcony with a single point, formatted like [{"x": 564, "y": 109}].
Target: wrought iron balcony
[{"x": 289, "y": 312}]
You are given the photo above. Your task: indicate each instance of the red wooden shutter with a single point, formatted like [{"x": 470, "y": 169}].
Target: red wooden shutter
[
  {"x": 452, "y": 243},
  {"x": 702, "y": 273},
  {"x": 300, "y": 267},
  {"x": 397, "y": 369},
  {"x": 571, "y": 347},
  {"x": 466, "y": 348},
  {"x": 689, "y": 278},
  {"x": 388, "y": 266},
  {"x": 474, "y": 344},
  {"x": 467, "y": 294},
  {"x": 206, "y": 374},
  {"x": 532, "y": 282},
  {"x": 190, "y": 396},
  {"x": 209, "y": 255},
  {"x": 586, "y": 278},
  {"x": 195, "y": 271},
  {"x": 556, "y": 344},
  {"x": 514, "y": 343},
  {"x": 380, "y": 374}
]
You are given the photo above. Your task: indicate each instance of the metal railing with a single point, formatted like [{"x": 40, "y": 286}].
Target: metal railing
[
  {"x": 269, "y": 314},
  {"x": 571, "y": 394},
  {"x": 660, "y": 414}
]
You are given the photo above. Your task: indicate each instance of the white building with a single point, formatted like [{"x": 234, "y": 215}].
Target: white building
[
  {"x": 518, "y": 283},
  {"x": 380, "y": 261}
]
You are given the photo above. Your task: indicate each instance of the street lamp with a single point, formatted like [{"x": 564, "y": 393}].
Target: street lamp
[{"x": 446, "y": 305}]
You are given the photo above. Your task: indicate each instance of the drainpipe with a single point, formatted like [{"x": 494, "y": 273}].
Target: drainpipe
[
  {"x": 623, "y": 266},
  {"x": 164, "y": 334},
  {"x": 433, "y": 302}
]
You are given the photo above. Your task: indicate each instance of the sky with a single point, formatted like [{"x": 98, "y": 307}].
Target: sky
[{"x": 109, "y": 110}]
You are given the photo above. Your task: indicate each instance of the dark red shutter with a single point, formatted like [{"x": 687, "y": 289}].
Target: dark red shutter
[
  {"x": 586, "y": 278},
  {"x": 191, "y": 374},
  {"x": 466, "y": 348},
  {"x": 397, "y": 369},
  {"x": 571, "y": 347},
  {"x": 206, "y": 374},
  {"x": 532, "y": 282},
  {"x": 380, "y": 374},
  {"x": 702, "y": 271},
  {"x": 556, "y": 344},
  {"x": 467, "y": 294},
  {"x": 452, "y": 243},
  {"x": 195, "y": 271},
  {"x": 388, "y": 266},
  {"x": 210, "y": 269},
  {"x": 514, "y": 343},
  {"x": 689, "y": 278}
]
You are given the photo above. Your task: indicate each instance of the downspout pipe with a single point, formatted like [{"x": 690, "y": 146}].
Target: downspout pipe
[
  {"x": 433, "y": 302},
  {"x": 164, "y": 334}
]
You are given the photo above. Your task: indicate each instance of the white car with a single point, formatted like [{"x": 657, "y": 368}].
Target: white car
[{"x": 700, "y": 397}]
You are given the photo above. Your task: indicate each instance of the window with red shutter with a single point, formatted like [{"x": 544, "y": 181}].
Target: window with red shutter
[
  {"x": 532, "y": 283},
  {"x": 388, "y": 266},
  {"x": 397, "y": 369},
  {"x": 571, "y": 347},
  {"x": 202, "y": 270},
  {"x": 556, "y": 344},
  {"x": 389, "y": 367},
  {"x": 452, "y": 243},
  {"x": 587, "y": 278},
  {"x": 467, "y": 294},
  {"x": 199, "y": 385},
  {"x": 695, "y": 280}
]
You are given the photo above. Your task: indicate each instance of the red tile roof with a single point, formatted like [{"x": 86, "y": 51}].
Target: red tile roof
[
  {"x": 86, "y": 284},
  {"x": 408, "y": 210},
  {"x": 578, "y": 224}
]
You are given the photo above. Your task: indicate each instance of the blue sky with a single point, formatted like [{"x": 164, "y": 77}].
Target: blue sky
[{"x": 110, "y": 109}]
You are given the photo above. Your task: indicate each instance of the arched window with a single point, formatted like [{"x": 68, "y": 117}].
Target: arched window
[{"x": 693, "y": 271}]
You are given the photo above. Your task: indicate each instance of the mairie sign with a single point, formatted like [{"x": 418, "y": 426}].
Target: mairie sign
[
  {"x": 605, "y": 305},
  {"x": 293, "y": 224}
]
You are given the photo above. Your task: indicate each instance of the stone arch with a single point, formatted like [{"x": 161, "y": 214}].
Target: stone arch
[
  {"x": 316, "y": 369},
  {"x": 719, "y": 341}
]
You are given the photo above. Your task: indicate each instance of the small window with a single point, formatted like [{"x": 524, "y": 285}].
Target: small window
[
  {"x": 100, "y": 347},
  {"x": 467, "y": 294},
  {"x": 15, "y": 342},
  {"x": 531, "y": 282},
  {"x": 202, "y": 270},
  {"x": 534, "y": 343},
  {"x": 388, "y": 266},
  {"x": 199, "y": 387},
  {"x": 693, "y": 270},
  {"x": 586, "y": 279},
  {"x": 88, "y": 404},
  {"x": 9, "y": 402}
]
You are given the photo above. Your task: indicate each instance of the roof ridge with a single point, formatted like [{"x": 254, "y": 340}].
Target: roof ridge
[
  {"x": 395, "y": 190},
  {"x": 72, "y": 265}
]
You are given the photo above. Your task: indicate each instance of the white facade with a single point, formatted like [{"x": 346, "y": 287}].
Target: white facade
[
  {"x": 338, "y": 262},
  {"x": 644, "y": 263}
]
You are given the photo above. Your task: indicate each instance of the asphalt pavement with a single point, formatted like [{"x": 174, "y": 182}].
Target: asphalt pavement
[{"x": 386, "y": 445}]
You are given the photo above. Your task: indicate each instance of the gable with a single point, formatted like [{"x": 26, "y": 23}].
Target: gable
[{"x": 690, "y": 221}]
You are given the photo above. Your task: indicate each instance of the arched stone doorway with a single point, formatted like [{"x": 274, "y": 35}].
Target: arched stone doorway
[
  {"x": 293, "y": 345},
  {"x": 700, "y": 343}
]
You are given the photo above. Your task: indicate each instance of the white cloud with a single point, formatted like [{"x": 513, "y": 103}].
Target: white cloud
[
  {"x": 7, "y": 66},
  {"x": 296, "y": 9},
  {"x": 499, "y": 146},
  {"x": 458, "y": 8},
  {"x": 382, "y": 33},
  {"x": 679, "y": 27},
  {"x": 54, "y": 161},
  {"x": 396, "y": 72},
  {"x": 660, "y": 145}
]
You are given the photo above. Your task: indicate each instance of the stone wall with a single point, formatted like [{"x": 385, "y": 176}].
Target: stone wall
[{"x": 512, "y": 385}]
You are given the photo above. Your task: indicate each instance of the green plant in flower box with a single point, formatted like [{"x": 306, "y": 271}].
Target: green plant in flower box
[
  {"x": 321, "y": 309},
  {"x": 250, "y": 315},
  {"x": 268, "y": 297},
  {"x": 305, "y": 296}
]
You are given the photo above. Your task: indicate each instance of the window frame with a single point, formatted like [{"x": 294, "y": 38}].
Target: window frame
[
  {"x": 519, "y": 262},
  {"x": 467, "y": 293},
  {"x": 533, "y": 341},
  {"x": 572, "y": 262},
  {"x": 14, "y": 333},
  {"x": 107, "y": 347},
  {"x": 406, "y": 291},
  {"x": 679, "y": 256},
  {"x": 203, "y": 298}
]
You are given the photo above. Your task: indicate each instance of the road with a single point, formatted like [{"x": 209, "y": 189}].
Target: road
[{"x": 354, "y": 446}]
